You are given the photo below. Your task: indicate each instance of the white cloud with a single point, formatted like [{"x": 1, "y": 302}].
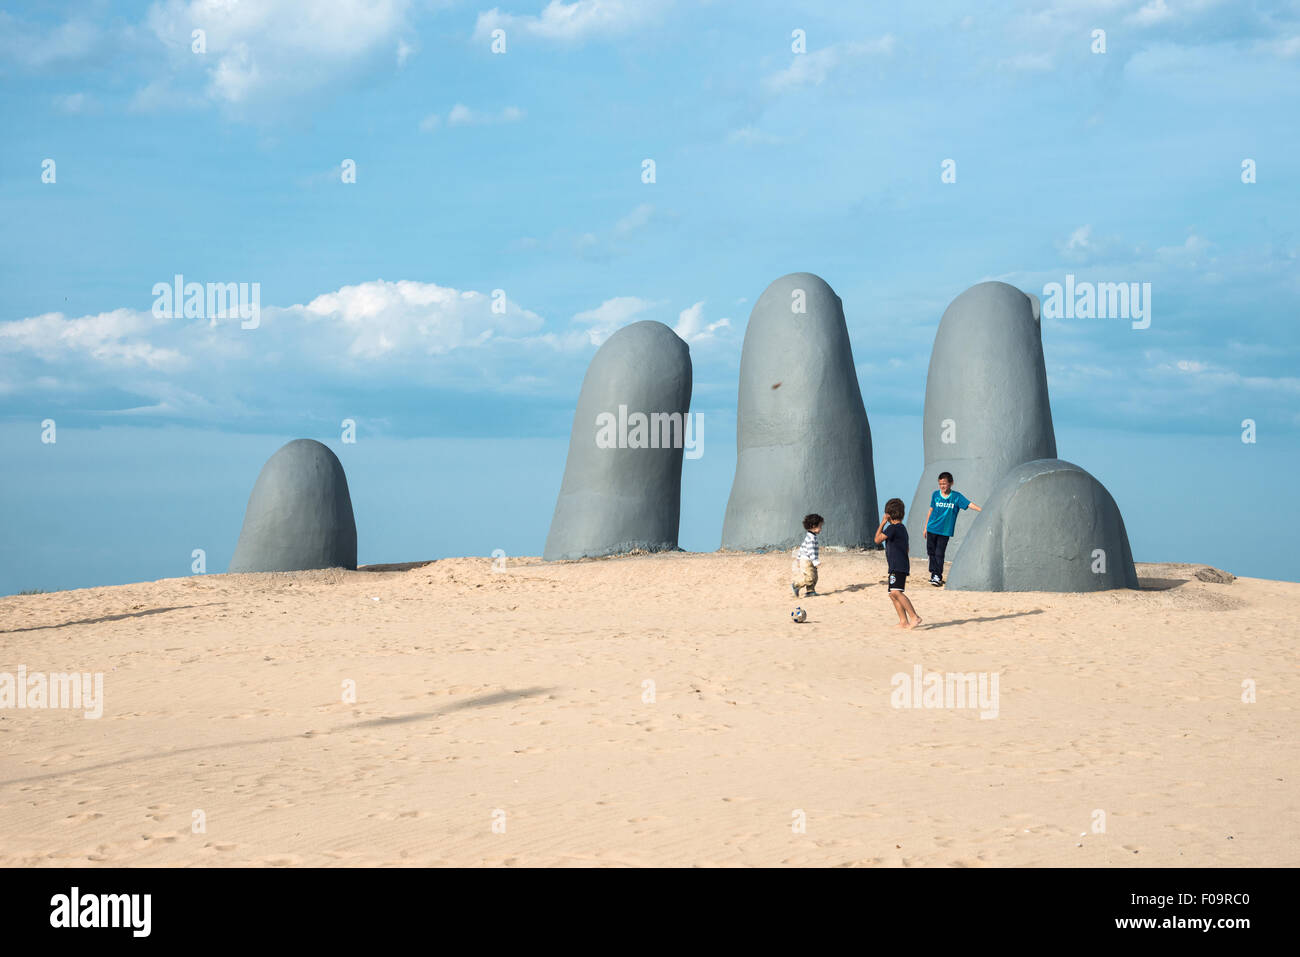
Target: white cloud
[
  {"x": 253, "y": 50},
  {"x": 752, "y": 136},
  {"x": 601, "y": 245},
  {"x": 462, "y": 115},
  {"x": 235, "y": 74},
  {"x": 1154, "y": 12},
  {"x": 34, "y": 47},
  {"x": 604, "y": 243},
  {"x": 634, "y": 220},
  {"x": 1082, "y": 246},
  {"x": 1191, "y": 253},
  {"x": 116, "y": 338},
  {"x": 690, "y": 324},
  {"x": 1028, "y": 62},
  {"x": 72, "y": 102},
  {"x": 162, "y": 95},
  {"x": 1206, "y": 376},
  {"x": 571, "y": 22},
  {"x": 1079, "y": 239},
  {"x": 274, "y": 46},
  {"x": 378, "y": 318},
  {"x": 812, "y": 69},
  {"x": 370, "y": 338},
  {"x": 611, "y": 315},
  {"x": 403, "y": 332}
]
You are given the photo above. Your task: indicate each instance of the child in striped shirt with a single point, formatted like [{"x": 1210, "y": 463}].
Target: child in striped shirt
[{"x": 807, "y": 558}]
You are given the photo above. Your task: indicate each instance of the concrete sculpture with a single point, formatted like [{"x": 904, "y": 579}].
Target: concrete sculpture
[
  {"x": 986, "y": 404},
  {"x": 623, "y": 476},
  {"x": 803, "y": 443},
  {"x": 299, "y": 514},
  {"x": 1048, "y": 526}
]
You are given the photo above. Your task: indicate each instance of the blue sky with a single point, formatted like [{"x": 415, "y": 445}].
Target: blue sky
[{"x": 522, "y": 172}]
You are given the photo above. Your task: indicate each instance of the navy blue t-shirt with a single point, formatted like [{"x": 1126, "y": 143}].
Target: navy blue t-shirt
[{"x": 896, "y": 548}]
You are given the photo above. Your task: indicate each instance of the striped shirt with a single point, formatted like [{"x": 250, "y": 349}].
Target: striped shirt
[{"x": 808, "y": 550}]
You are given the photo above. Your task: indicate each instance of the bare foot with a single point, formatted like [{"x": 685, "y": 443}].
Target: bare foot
[
  {"x": 915, "y": 623},
  {"x": 902, "y": 624}
]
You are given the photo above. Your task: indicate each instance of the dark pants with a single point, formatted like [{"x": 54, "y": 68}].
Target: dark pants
[{"x": 935, "y": 546}]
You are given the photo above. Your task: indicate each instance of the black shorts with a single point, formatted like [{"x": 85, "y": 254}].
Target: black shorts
[{"x": 897, "y": 581}]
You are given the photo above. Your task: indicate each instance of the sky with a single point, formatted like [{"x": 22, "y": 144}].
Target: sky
[{"x": 384, "y": 177}]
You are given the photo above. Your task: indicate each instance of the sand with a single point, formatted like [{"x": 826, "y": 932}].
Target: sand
[{"x": 518, "y": 699}]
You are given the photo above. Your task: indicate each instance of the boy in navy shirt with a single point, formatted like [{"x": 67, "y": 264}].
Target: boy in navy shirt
[
  {"x": 893, "y": 533},
  {"x": 941, "y": 523}
]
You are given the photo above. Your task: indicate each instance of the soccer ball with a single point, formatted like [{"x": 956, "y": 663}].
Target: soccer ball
[{"x": 799, "y": 615}]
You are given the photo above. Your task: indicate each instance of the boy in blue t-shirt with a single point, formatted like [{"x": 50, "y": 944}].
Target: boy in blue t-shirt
[
  {"x": 893, "y": 533},
  {"x": 941, "y": 523}
]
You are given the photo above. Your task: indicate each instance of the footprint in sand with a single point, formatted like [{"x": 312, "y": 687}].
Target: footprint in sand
[{"x": 148, "y": 839}]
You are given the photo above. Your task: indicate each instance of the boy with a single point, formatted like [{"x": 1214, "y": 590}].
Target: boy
[
  {"x": 941, "y": 523},
  {"x": 893, "y": 533},
  {"x": 807, "y": 558}
]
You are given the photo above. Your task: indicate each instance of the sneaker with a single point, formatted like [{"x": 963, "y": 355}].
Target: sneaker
[
  {"x": 810, "y": 594},
  {"x": 936, "y": 581},
  {"x": 795, "y": 589}
]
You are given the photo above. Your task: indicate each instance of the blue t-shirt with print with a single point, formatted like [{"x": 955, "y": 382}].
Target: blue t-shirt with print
[{"x": 943, "y": 512}]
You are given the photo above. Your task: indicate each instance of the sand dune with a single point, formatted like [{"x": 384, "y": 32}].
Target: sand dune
[{"x": 519, "y": 697}]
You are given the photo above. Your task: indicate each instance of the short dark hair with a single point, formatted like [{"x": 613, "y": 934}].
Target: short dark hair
[
  {"x": 945, "y": 475},
  {"x": 812, "y": 521},
  {"x": 894, "y": 509}
]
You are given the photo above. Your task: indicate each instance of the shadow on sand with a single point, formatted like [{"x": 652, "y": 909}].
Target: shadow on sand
[
  {"x": 393, "y": 567},
  {"x": 482, "y": 701},
  {"x": 860, "y": 587},
  {"x": 100, "y": 621},
  {"x": 972, "y": 621},
  {"x": 1159, "y": 584}
]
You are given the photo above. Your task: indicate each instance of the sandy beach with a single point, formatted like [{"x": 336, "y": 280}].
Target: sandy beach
[{"x": 651, "y": 710}]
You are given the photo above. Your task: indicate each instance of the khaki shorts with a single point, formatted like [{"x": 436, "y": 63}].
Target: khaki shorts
[{"x": 807, "y": 574}]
